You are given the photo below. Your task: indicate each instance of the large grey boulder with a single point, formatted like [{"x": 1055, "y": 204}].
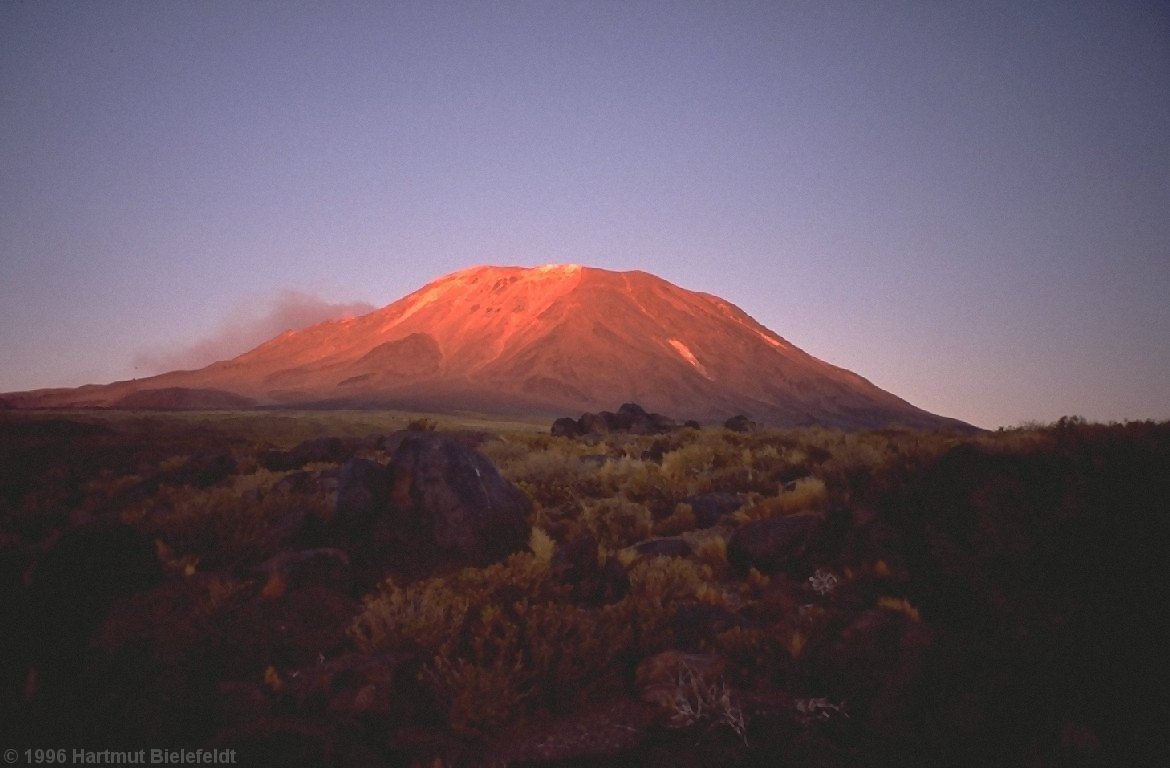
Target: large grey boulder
[
  {"x": 566, "y": 426},
  {"x": 363, "y": 491},
  {"x": 457, "y": 498},
  {"x": 438, "y": 500}
]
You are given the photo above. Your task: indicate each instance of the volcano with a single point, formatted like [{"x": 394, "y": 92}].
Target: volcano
[{"x": 551, "y": 340}]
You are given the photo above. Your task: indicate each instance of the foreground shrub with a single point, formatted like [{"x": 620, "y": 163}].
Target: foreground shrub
[
  {"x": 805, "y": 495},
  {"x": 223, "y": 527},
  {"x": 496, "y": 637},
  {"x": 617, "y": 523},
  {"x": 505, "y": 638}
]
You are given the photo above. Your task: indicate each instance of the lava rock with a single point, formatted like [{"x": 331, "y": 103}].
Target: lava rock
[
  {"x": 327, "y": 566},
  {"x": 456, "y": 498},
  {"x": 566, "y": 426},
  {"x": 633, "y": 418},
  {"x": 740, "y": 423},
  {"x": 771, "y": 545},
  {"x": 665, "y": 547},
  {"x": 437, "y": 501},
  {"x": 711, "y": 508},
  {"x": 630, "y": 418},
  {"x": 592, "y": 424},
  {"x": 363, "y": 493}
]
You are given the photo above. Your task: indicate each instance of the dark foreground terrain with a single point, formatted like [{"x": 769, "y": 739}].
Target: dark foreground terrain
[{"x": 345, "y": 591}]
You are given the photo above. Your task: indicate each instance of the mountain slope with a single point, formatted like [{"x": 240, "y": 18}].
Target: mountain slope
[{"x": 557, "y": 339}]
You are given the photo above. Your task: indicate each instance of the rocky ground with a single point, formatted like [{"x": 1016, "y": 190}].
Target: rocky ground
[{"x": 627, "y": 590}]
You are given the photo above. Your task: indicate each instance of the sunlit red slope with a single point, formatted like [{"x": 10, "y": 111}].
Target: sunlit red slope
[{"x": 556, "y": 339}]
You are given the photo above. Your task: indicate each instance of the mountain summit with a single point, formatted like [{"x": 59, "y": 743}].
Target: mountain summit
[{"x": 557, "y": 339}]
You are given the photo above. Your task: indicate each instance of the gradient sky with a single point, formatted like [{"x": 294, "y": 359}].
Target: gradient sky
[{"x": 967, "y": 203}]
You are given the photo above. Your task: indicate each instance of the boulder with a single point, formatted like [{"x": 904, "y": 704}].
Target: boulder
[
  {"x": 565, "y": 426},
  {"x": 633, "y": 418},
  {"x": 438, "y": 500},
  {"x": 630, "y": 418},
  {"x": 673, "y": 546},
  {"x": 327, "y": 567},
  {"x": 592, "y": 424},
  {"x": 740, "y": 423},
  {"x": 775, "y": 544},
  {"x": 711, "y": 508},
  {"x": 455, "y": 499},
  {"x": 363, "y": 491}
]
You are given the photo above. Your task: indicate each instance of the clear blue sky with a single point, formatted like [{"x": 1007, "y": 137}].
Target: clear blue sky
[{"x": 967, "y": 203}]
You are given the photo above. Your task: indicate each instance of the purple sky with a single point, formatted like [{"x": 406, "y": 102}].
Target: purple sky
[{"x": 967, "y": 203}]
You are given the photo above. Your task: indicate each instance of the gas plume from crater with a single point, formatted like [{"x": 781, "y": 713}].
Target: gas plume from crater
[{"x": 246, "y": 326}]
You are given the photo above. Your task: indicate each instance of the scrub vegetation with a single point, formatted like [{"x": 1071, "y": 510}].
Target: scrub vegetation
[{"x": 696, "y": 597}]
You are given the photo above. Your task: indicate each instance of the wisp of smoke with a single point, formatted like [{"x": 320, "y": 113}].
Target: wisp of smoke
[{"x": 246, "y": 327}]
